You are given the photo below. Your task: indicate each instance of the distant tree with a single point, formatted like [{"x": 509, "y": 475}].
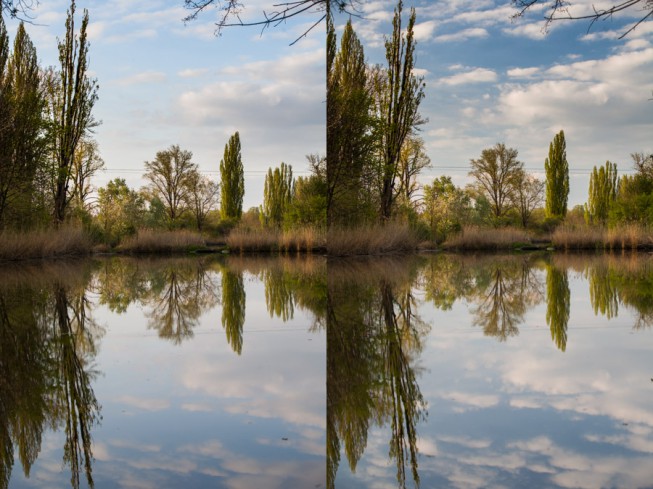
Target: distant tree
[
  {"x": 308, "y": 205},
  {"x": 398, "y": 96},
  {"x": 278, "y": 192},
  {"x": 71, "y": 97},
  {"x": 446, "y": 207},
  {"x": 634, "y": 202},
  {"x": 86, "y": 164},
  {"x": 557, "y": 178},
  {"x": 412, "y": 160},
  {"x": 527, "y": 196},
  {"x": 120, "y": 210},
  {"x": 232, "y": 180},
  {"x": 602, "y": 193},
  {"x": 203, "y": 196},
  {"x": 495, "y": 174},
  {"x": 169, "y": 174}
]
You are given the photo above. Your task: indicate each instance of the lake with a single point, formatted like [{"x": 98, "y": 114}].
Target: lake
[
  {"x": 490, "y": 371},
  {"x": 169, "y": 372}
]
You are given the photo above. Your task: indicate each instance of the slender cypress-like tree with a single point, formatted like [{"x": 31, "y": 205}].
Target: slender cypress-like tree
[
  {"x": 602, "y": 193},
  {"x": 278, "y": 193},
  {"x": 557, "y": 178},
  {"x": 232, "y": 185}
]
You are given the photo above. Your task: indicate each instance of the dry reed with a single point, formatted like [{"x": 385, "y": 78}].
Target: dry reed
[
  {"x": 371, "y": 240},
  {"x": 65, "y": 241},
  {"x": 622, "y": 237},
  {"x": 479, "y": 238},
  {"x": 150, "y": 241},
  {"x": 265, "y": 240}
]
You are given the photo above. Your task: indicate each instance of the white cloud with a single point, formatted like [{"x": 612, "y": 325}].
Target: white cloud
[
  {"x": 140, "y": 78},
  {"x": 192, "y": 73},
  {"x": 522, "y": 72},
  {"x": 477, "y": 75},
  {"x": 476, "y": 32},
  {"x": 424, "y": 30}
]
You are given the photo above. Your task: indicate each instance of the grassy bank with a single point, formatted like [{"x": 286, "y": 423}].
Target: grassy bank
[
  {"x": 49, "y": 243},
  {"x": 371, "y": 240}
]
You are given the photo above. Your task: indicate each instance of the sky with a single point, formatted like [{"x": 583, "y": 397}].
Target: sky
[
  {"x": 164, "y": 82},
  {"x": 490, "y": 78}
]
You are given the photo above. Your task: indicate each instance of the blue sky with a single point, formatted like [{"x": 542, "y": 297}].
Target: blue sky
[
  {"x": 163, "y": 83},
  {"x": 492, "y": 79}
]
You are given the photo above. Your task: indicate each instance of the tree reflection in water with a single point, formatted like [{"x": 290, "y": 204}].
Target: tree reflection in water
[
  {"x": 558, "y": 304},
  {"x": 500, "y": 288},
  {"x": 49, "y": 340},
  {"x": 47, "y": 346},
  {"x": 373, "y": 337},
  {"x": 375, "y": 334}
]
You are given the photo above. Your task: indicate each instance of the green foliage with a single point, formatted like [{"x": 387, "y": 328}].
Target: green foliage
[
  {"x": 278, "y": 194},
  {"x": 634, "y": 202},
  {"x": 22, "y": 123},
  {"x": 446, "y": 207},
  {"x": 602, "y": 193},
  {"x": 557, "y": 178},
  {"x": 232, "y": 188},
  {"x": 496, "y": 175},
  {"x": 349, "y": 141},
  {"x": 170, "y": 175},
  {"x": 120, "y": 210}
]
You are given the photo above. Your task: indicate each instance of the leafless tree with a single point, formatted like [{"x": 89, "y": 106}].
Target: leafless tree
[
  {"x": 231, "y": 10},
  {"x": 560, "y": 9}
]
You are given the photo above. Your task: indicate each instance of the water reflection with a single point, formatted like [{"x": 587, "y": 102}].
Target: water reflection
[
  {"x": 50, "y": 340},
  {"x": 512, "y": 412},
  {"x": 47, "y": 345},
  {"x": 373, "y": 337}
]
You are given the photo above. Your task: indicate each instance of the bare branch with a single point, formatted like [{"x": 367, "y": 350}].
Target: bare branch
[{"x": 559, "y": 10}]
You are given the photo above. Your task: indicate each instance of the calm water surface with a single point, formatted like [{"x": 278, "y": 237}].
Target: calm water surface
[
  {"x": 493, "y": 371},
  {"x": 163, "y": 373}
]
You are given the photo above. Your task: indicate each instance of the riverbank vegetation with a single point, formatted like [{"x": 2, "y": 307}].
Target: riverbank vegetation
[{"x": 376, "y": 161}]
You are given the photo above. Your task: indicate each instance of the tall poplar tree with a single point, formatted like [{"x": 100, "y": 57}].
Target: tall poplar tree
[
  {"x": 602, "y": 193},
  {"x": 348, "y": 126},
  {"x": 278, "y": 193},
  {"x": 557, "y": 178},
  {"x": 72, "y": 95},
  {"x": 232, "y": 185},
  {"x": 398, "y": 99}
]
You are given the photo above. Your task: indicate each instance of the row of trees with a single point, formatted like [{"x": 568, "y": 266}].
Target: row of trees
[
  {"x": 47, "y": 155},
  {"x": 502, "y": 192},
  {"x": 178, "y": 196}
]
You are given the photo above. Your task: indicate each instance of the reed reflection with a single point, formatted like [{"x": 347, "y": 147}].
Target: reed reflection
[
  {"x": 373, "y": 338},
  {"x": 48, "y": 342}
]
